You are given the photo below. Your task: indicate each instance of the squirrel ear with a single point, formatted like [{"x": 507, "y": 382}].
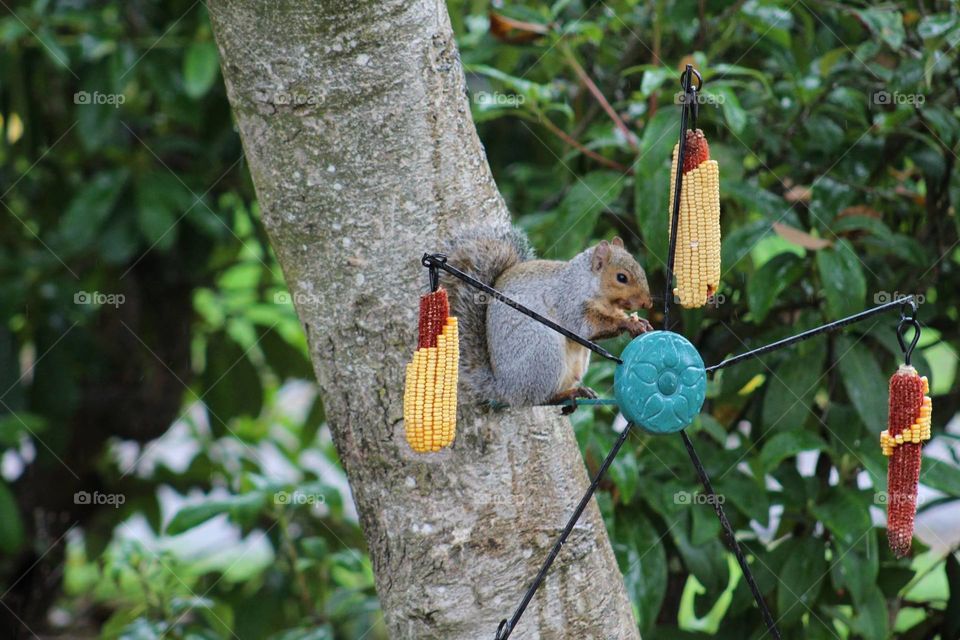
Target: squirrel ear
[
  {"x": 601, "y": 255},
  {"x": 617, "y": 242}
]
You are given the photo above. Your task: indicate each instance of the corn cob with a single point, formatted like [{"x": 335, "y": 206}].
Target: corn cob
[
  {"x": 908, "y": 428},
  {"x": 430, "y": 392},
  {"x": 697, "y": 262}
]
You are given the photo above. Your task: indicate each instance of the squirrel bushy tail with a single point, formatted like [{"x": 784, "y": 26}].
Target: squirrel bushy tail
[{"x": 484, "y": 254}]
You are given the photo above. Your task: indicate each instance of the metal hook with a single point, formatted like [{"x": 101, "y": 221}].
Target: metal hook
[
  {"x": 500, "y": 629},
  {"x": 686, "y": 80},
  {"x": 910, "y": 302},
  {"x": 431, "y": 261},
  {"x": 901, "y": 330},
  {"x": 690, "y": 101}
]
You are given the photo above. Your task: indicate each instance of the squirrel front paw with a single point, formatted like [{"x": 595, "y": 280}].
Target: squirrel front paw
[{"x": 636, "y": 325}]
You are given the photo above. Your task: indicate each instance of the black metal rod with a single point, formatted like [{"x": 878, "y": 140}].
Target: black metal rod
[
  {"x": 678, "y": 181},
  {"x": 731, "y": 536},
  {"x": 800, "y": 337},
  {"x": 439, "y": 261},
  {"x": 506, "y": 628}
]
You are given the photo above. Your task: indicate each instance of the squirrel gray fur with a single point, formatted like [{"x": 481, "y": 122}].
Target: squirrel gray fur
[{"x": 507, "y": 357}]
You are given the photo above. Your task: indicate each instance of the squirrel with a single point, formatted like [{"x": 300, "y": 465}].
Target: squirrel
[{"x": 507, "y": 357}]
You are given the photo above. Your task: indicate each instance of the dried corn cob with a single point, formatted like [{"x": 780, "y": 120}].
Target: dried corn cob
[
  {"x": 908, "y": 429},
  {"x": 697, "y": 262},
  {"x": 430, "y": 394}
]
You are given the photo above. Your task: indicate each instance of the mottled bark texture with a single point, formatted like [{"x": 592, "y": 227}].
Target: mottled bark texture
[{"x": 357, "y": 130}]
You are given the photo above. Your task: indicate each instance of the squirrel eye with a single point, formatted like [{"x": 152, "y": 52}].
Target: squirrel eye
[{"x": 622, "y": 277}]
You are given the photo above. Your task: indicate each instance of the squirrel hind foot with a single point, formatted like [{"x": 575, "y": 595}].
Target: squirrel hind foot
[{"x": 572, "y": 394}]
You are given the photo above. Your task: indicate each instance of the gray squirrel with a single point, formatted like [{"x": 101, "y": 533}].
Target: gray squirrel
[{"x": 507, "y": 357}]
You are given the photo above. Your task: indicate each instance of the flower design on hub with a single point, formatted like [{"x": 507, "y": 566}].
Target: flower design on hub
[{"x": 662, "y": 382}]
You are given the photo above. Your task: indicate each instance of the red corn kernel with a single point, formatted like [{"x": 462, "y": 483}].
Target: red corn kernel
[
  {"x": 434, "y": 309},
  {"x": 903, "y": 472},
  {"x": 697, "y": 150}
]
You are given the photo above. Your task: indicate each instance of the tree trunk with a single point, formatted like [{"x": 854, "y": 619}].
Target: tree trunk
[{"x": 358, "y": 134}]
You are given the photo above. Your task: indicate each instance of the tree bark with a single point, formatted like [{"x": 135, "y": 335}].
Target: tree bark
[{"x": 358, "y": 134}]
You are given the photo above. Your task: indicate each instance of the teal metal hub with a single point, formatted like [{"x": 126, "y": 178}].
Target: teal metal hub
[{"x": 662, "y": 382}]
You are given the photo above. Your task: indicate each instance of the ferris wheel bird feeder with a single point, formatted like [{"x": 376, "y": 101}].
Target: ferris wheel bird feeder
[{"x": 660, "y": 379}]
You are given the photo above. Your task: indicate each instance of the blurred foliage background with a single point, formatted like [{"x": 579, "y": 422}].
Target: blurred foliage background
[{"x": 166, "y": 467}]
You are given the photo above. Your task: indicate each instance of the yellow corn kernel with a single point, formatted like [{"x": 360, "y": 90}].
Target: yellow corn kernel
[
  {"x": 430, "y": 394},
  {"x": 697, "y": 262}
]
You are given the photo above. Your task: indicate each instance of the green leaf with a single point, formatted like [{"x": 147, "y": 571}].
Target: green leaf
[
  {"x": 788, "y": 444},
  {"x": 857, "y": 566},
  {"x": 845, "y": 514},
  {"x": 581, "y": 207},
  {"x": 887, "y": 24},
  {"x": 653, "y": 79},
  {"x": 940, "y": 475},
  {"x": 769, "y": 21},
  {"x": 861, "y": 223},
  {"x": 15, "y": 426},
  {"x": 532, "y": 92},
  {"x": 161, "y": 200},
  {"x": 57, "y": 54},
  {"x": 652, "y": 184},
  {"x": 746, "y": 494},
  {"x": 314, "y": 547},
  {"x": 89, "y": 208},
  {"x": 11, "y": 29},
  {"x": 769, "y": 281},
  {"x": 625, "y": 475},
  {"x": 285, "y": 359},
  {"x": 935, "y": 25},
  {"x": 735, "y": 248},
  {"x": 871, "y": 619},
  {"x": 864, "y": 381},
  {"x": 323, "y": 632},
  {"x": 951, "y": 615},
  {"x": 841, "y": 274},
  {"x": 733, "y": 113},
  {"x": 800, "y": 579},
  {"x": 239, "y": 508},
  {"x": 706, "y": 525},
  {"x": 712, "y": 427},
  {"x": 723, "y": 70},
  {"x": 11, "y": 526},
  {"x": 200, "y": 67},
  {"x": 98, "y": 123},
  {"x": 643, "y": 562},
  {"x": 231, "y": 383},
  {"x": 708, "y": 562},
  {"x": 791, "y": 389}
]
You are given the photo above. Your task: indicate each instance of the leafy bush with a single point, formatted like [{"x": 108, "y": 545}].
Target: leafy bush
[{"x": 837, "y": 133}]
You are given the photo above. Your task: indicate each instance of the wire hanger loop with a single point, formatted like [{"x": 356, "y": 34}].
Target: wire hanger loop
[{"x": 908, "y": 320}]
